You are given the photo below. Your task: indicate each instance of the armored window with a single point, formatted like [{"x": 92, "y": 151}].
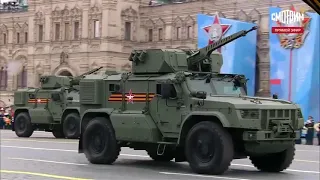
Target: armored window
[
  {"x": 40, "y": 38},
  {"x": 173, "y": 92},
  {"x": 32, "y": 96},
  {"x": 166, "y": 88},
  {"x": 25, "y": 37},
  {"x": 114, "y": 87},
  {"x": 127, "y": 35},
  {"x": 3, "y": 78},
  {"x": 150, "y": 34},
  {"x": 76, "y": 30},
  {"x": 22, "y": 79},
  {"x": 66, "y": 31},
  {"x": 160, "y": 34},
  {"x": 158, "y": 89},
  {"x": 57, "y": 32},
  {"x": 18, "y": 38}
]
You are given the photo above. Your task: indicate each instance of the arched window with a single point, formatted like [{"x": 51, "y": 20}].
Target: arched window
[
  {"x": 22, "y": 78},
  {"x": 3, "y": 78}
]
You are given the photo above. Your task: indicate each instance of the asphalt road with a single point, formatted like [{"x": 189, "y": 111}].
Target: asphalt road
[{"x": 44, "y": 157}]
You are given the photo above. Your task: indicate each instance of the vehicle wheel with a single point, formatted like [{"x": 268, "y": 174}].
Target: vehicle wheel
[
  {"x": 58, "y": 132},
  {"x": 71, "y": 126},
  {"x": 22, "y": 125},
  {"x": 99, "y": 142},
  {"x": 209, "y": 148},
  {"x": 275, "y": 162},
  {"x": 167, "y": 156}
]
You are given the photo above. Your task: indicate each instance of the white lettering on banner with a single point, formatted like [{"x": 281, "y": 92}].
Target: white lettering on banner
[{"x": 287, "y": 17}]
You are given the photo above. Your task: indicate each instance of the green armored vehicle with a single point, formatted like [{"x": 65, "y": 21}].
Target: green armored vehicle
[
  {"x": 54, "y": 107},
  {"x": 176, "y": 105}
]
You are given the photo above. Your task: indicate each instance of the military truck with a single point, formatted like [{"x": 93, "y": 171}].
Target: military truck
[
  {"x": 54, "y": 107},
  {"x": 175, "y": 104}
]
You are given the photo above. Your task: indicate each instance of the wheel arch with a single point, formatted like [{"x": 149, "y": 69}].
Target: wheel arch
[
  {"x": 16, "y": 112},
  {"x": 88, "y": 115},
  {"x": 196, "y": 117},
  {"x": 69, "y": 111},
  {"x": 20, "y": 110}
]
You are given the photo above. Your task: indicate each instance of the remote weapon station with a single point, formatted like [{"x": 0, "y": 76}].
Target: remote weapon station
[
  {"x": 176, "y": 105},
  {"x": 54, "y": 107}
]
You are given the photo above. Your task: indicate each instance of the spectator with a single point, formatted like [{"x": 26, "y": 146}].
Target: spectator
[
  {"x": 317, "y": 128},
  {"x": 2, "y": 123},
  {"x": 310, "y": 130},
  {"x": 7, "y": 120}
]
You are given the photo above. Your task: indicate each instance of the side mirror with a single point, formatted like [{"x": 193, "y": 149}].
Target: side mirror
[
  {"x": 199, "y": 94},
  {"x": 168, "y": 91},
  {"x": 70, "y": 98},
  {"x": 55, "y": 97}
]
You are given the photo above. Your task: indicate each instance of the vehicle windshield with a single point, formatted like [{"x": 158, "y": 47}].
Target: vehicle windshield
[
  {"x": 227, "y": 88},
  {"x": 215, "y": 87},
  {"x": 199, "y": 85}
]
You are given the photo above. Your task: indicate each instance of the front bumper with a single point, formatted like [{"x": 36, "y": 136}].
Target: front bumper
[{"x": 269, "y": 136}]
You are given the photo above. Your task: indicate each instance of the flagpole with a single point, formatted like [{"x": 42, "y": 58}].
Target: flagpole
[{"x": 290, "y": 75}]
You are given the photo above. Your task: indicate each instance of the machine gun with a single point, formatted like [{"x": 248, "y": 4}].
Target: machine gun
[
  {"x": 54, "y": 82},
  {"x": 76, "y": 80},
  {"x": 201, "y": 61}
]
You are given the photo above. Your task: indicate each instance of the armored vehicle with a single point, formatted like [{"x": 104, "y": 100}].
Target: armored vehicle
[
  {"x": 176, "y": 105},
  {"x": 54, "y": 107}
]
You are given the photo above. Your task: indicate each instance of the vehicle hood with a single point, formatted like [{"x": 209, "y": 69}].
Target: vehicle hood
[{"x": 247, "y": 102}]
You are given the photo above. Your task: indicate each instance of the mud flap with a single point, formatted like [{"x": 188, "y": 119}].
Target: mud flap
[
  {"x": 80, "y": 149},
  {"x": 12, "y": 125}
]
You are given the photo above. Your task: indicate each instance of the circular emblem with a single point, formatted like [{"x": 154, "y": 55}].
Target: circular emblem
[{"x": 215, "y": 32}]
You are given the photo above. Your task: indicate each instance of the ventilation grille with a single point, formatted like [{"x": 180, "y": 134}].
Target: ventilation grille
[{"x": 90, "y": 92}]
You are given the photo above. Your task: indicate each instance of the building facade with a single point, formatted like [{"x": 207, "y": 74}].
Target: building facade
[{"x": 69, "y": 38}]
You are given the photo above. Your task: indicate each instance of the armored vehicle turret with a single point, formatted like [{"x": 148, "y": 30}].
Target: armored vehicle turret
[
  {"x": 176, "y": 104},
  {"x": 162, "y": 61},
  {"x": 53, "y": 107},
  {"x": 54, "y": 82}
]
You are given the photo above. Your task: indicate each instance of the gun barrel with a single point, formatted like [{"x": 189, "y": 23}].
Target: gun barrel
[
  {"x": 203, "y": 53},
  {"x": 91, "y": 71},
  {"x": 76, "y": 80}
]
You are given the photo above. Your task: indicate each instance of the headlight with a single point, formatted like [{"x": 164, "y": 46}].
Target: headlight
[{"x": 249, "y": 114}]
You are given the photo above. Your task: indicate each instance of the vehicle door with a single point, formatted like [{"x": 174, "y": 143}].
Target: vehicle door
[
  {"x": 169, "y": 108},
  {"x": 38, "y": 103},
  {"x": 129, "y": 103},
  {"x": 56, "y": 105}
]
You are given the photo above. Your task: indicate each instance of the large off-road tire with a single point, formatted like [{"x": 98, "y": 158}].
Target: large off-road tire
[
  {"x": 209, "y": 148},
  {"x": 167, "y": 156},
  {"x": 99, "y": 142},
  {"x": 71, "y": 126},
  {"x": 58, "y": 132},
  {"x": 22, "y": 125},
  {"x": 275, "y": 162}
]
